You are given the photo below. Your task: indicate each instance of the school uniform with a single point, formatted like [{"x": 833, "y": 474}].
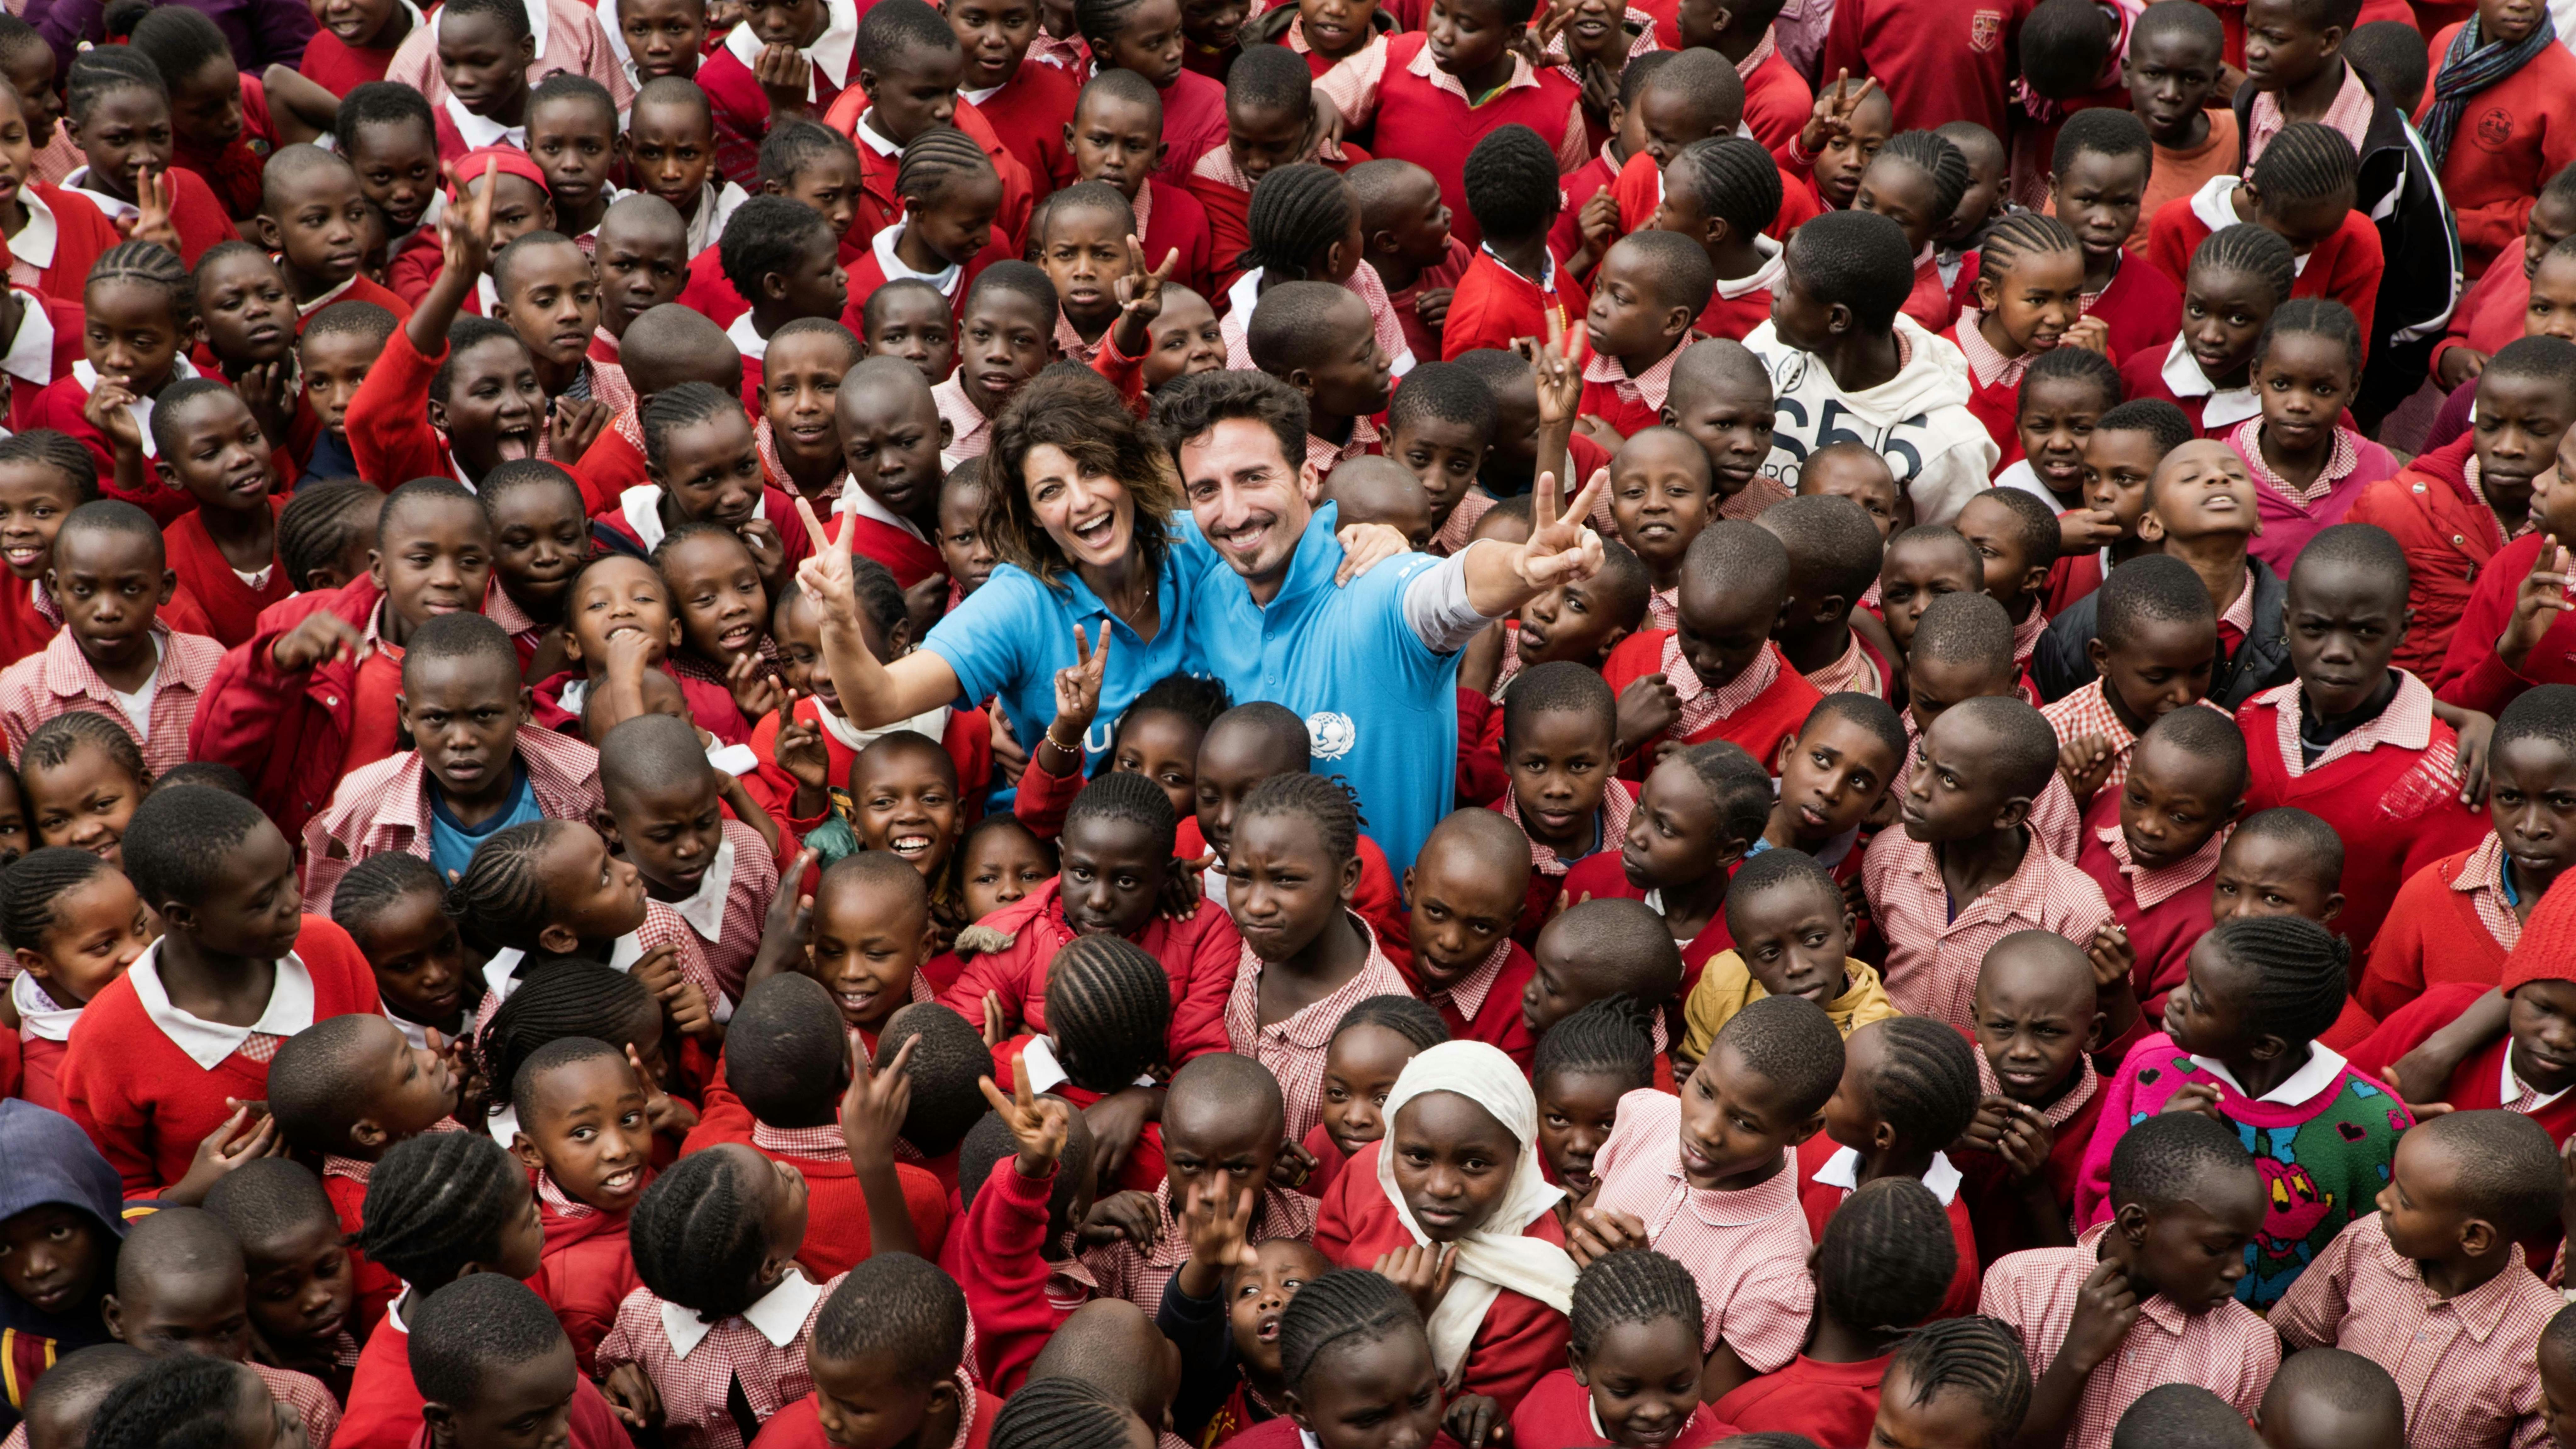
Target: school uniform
[
  {"x": 62, "y": 240},
  {"x": 2175, "y": 376},
  {"x": 2484, "y": 1080},
  {"x": 1640, "y": 191},
  {"x": 569, "y": 37},
  {"x": 1293, "y": 1047},
  {"x": 1933, "y": 67},
  {"x": 1994, "y": 383},
  {"x": 1375, "y": 900},
  {"x": 60, "y": 679},
  {"x": 148, "y": 1080},
  {"x": 1485, "y": 1004},
  {"x": 1747, "y": 1249},
  {"x": 1829, "y": 1403},
  {"x": 344, "y": 1182},
  {"x": 2291, "y": 515},
  {"x": 2253, "y": 652},
  {"x": 1236, "y": 327},
  {"x": 46, "y": 346},
  {"x": 966, "y": 734},
  {"x": 741, "y": 107},
  {"x": 2491, "y": 314},
  {"x": 1222, "y": 196},
  {"x": 195, "y": 213},
  {"x": 1138, "y": 1273},
  {"x": 294, "y": 734},
  {"x": 1829, "y": 1172},
  {"x": 2166, "y": 910},
  {"x": 385, "y": 1403},
  {"x": 2387, "y": 788},
  {"x": 1777, "y": 99},
  {"x": 2227, "y": 1350},
  {"x": 800, "y": 1426},
  {"x": 1029, "y": 113},
  {"x": 1993, "y": 1196},
  {"x": 1016, "y": 1297},
  {"x": 2511, "y": 137},
  {"x": 2452, "y": 922},
  {"x": 1603, "y": 875},
  {"x": 2345, "y": 266},
  {"x": 587, "y": 1269},
  {"x": 1629, "y": 405},
  {"x": 1548, "y": 869},
  {"x": 1935, "y": 950},
  {"x": 1199, "y": 955},
  {"x": 837, "y": 1236},
  {"x": 880, "y": 206},
  {"x": 877, "y": 265},
  {"x": 2473, "y": 675},
  {"x": 1557, "y": 1410},
  {"x": 2179, "y": 173},
  {"x": 1737, "y": 305},
  {"x": 63, "y": 407},
  {"x": 389, "y": 431},
  {"x": 1761, "y": 709},
  {"x": 635, "y": 526},
  {"x": 392, "y": 805},
  {"x": 1425, "y": 116},
  {"x": 696, "y": 1367},
  {"x": 232, "y": 601},
  {"x": 339, "y": 67}
]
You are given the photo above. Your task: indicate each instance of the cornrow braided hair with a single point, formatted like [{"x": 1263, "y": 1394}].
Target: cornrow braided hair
[
  {"x": 1319, "y": 798},
  {"x": 56, "y": 739},
  {"x": 1733, "y": 179},
  {"x": 320, "y": 522},
  {"x": 1194, "y": 697},
  {"x": 501, "y": 900},
  {"x": 2317, "y": 317},
  {"x": 1296, "y": 213},
  {"x": 567, "y": 999},
  {"x": 699, "y": 1237},
  {"x": 1109, "y": 1008},
  {"x": 2015, "y": 235},
  {"x": 1347, "y": 1307},
  {"x": 1409, "y": 1017},
  {"x": 1977, "y": 1356},
  {"x": 180, "y": 1402},
  {"x": 60, "y": 451},
  {"x": 1932, "y": 154},
  {"x": 102, "y": 71},
  {"x": 148, "y": 264},
  {"x": 2304, "y": 162},
  {"x": 376, "y": 883},
  {"x": 2299, "y": 981},
  {"x": 1062, "y": 1413},
  {"x": 2076, "y": 364},
  {"x": 684, "y": 406},
  {"x": 1099, "y": 21},
  {"x": 1610, "y": 1037},
  {"x": 1632, "y": 1285},
  {"x": 29, "y": 888},
  {"x": 439, "y": 1201},
  {"x": 933, "y": 159},
  {"x": 1887, "y": 1257},
  {"x": 1130, "y": 798}
]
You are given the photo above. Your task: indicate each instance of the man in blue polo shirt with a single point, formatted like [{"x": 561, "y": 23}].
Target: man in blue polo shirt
[{"x": 1372, "y": 667}]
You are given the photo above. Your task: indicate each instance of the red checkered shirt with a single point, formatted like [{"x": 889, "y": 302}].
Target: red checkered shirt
[
  {"x": 2054, "y": 822},
  {"x": 1324, "y": 456},
  {"x": 1650, "y": 387},
  {"x": 1353, "y": 86},
  {"x": 306, "y": 1395},
  {"x": 383, "y": 807},
  {"x": 2248, "y": 440},
  {"x": 1703, "y": 706},
  {"x": 2228, "y": 1350},
  {"x": 1644, "y": 40},
  {"x": 1763, "y": 50},
  {"x": 2481, "y": 878},
  {"x": 1664, "y": 609},
  {"x": 60, "y": 679},
  {"x": 562, "y": 1204},
  {"x": 2086, "y": 712},
  {"x": 1460, "y": 525},
  {"x": 766, "y": 440},
  {"x": 1293, "y": 1048},
  {"x": 1472, "y": 989},
  {"x": 2155, "y": 887},
  {"x": 2468, "y": 1365},
  {"x": 2407, "y": 723},
  {"x": 764, "y": 1349},
  {"x": 739, "y": 906},
  {"x": 2026, "y": 634},
  {"x": 1136, "y": 1274},
  {"x": 1855, "y": 671},
  {"x": 1616, "y": 806},
  {"x": 1933, "y": 957},
  {"x": 1988, "y": 366},
  {"x": 2349, "y": 113},
  {"x": 823, "y": 1144},
  {"x": 1747, "y": 1250},
  {"x": 970, "y": 432}
]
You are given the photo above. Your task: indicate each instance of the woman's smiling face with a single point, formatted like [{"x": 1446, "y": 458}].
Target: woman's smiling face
[{"x": 1089, "y": 514}]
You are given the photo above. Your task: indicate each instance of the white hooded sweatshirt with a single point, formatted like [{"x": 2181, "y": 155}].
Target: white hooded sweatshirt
[{"x": 1917, "y": 420}]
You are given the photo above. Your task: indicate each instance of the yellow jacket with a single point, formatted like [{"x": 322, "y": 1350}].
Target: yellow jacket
[{"x": 1727, "y": 987}]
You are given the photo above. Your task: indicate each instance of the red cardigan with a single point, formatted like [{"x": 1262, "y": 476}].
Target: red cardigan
[
  {"x": 390, "y": 436},
  {"x": 290, "y": 732},
  {"x": 1199, "y": 955},
  {"x": 2473, "y": 675},
  {"x": 1830, "y": 1403},
  {"x": 81, "y": 234},
  {"x": 836, "y": 1225},
  {"x": 338, "y": 67},
  {"x": 376, "y": 1286},
  {"x": 2161, "y": 935},
  {"x": 741, "y": 111},
  {"x": 1521, "y": 1341},
  {"x": 798, "y": 1426},
  {"x": 2432, "y": 938},
  {"x": 232, "y": 607},
  {"x": 908, "y": 558},
  {"x": 586, "y": 1272},
  {"x": 996, "y": 1260},
  {"x": 2449, "y": 534},
  {"x": 1559, "y": 1412},
  {"x": 147, "y": 1104},
  {"x": 1493, "y": 304},
  {"x": 2141, "y": 306},
  {"x": 2345, "y": 266},
  {"x": 384, "y": 1405},
  {"x": 2491, "y": 315},
  {"x": 2511, "y": 139},
  {"x": 1931, "y": 66},
  {"x": 1765, "y": 723},
  {"x": 1029, "y": 114},
  {"x": 1996, "y": 404}
]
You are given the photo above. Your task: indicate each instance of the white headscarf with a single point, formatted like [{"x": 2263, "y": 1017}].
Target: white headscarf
[{"x": 1495, "y": 1256}]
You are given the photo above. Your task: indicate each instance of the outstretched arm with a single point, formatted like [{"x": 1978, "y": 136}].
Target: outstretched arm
[{"x": 873, "y": 694}]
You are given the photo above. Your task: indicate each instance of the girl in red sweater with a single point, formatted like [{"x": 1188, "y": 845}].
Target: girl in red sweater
[
  {"x": 586, "y": 1115},
  {"x": 119, "y": 117},
  {"x": 2240, "y": 275},
  {"x": 1368, "y": 1051},
  {"x": 888, "y": 1353},
  {"x": 1724, "y": 193},
  {"x": 1916, "y": 181},
  {"x": 142, "y": 306},
  {"x": 2303, "y": 188},
  {"x": 2030, "y": 300},
  {"x": 74, "y": 925},
  {"x": 1654, "y": 1368},
  {"x": 1358, "y": 1370},
  {"x": 224, "y": 550}
]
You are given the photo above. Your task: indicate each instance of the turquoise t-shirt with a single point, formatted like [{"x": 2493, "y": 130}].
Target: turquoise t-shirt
[{"x": 451, "y": 845}]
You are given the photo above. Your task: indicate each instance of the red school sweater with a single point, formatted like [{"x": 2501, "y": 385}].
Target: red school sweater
[
  {"x": 1199, "y": 955},
  {"x": 907, "y": 556},
  {"x": 1494, "y": 304},
  {"x": 1376, "y": 899},
  {"x": 2163, "y": 934},
  {"x": 147, "y": 1104},
  {"x": 2397, "y": 810},
  {"x": 1579, "y": 186},
  {"x": 232, "y": 607},
  {"x": 384, "y": 1405},
  {"x": 1934, "y": 64},
  {"x": 1830, "y": 1403},
  {"x": 294, "y": 733},
  {"x": 1993, "y": 1197},
  {"x": 996, "y": 1259},
  {"x": 339, "y": 67},
  {"x": 2473, "y": 675},
  {"x": 1559, "y": 1412},
  {"x": 1602, "y": 400},
  {"x": 2491, "y": 315},
  {"x": 376, "y": 1286},
  {"x": 1421, "y": 337},
  {"x": 1421, "y": 123},
  {"x": 1764, "y": 723},
  {"x": 741, "y": 110},
  {"x": 880, "y": 206},
  {"x": 1995, "y": 404},
  {"x": 1818, "y": 1200},
  {"x": 1640, "y": 189},
  {"x": 586, "y": 1272},
  {"x": 836, "y": 1232},
  {"x": 1604, "y": 877},
  {"x": 81, "y": 234},
  {"x": 2433, "y": 937},
  {"x": 2345, "y": 266},
  {"x": 1224, "y": 213},
  {"x": 1521, "y": 1340},
  {"x": 798, "y": 1426},
  {"x": 2141, "y": 306},
  {"x": 2449, "y": 533},
  {"x": 2511, "y": 139},
  {"x": 1029, "y": 112}
]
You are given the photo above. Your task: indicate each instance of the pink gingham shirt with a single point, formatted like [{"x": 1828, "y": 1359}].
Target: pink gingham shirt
[
  {"x": 2155, "y": 887},
  {"x": 2055, "y": 822},
  {"x": 662, "y": 927},
  {"x": 1460, "y": 526},
  {"x": 559, "y": 1202},
  {"x": 1643, "y": 21},
  {"x": 2086, "y": 712},
  {"x": 1649, "y": 387},
  {"x": 2228, "y": 1350},
  {"x": 764, "y": 1349},
  {"x": 1664, "y": 608},
  {"x": 1353, "y": 87},
  {"x": 2349, "y": 113},
  {"x": 1747, "y": 1249},
  {"x": 2467, "y": 1365},
  {"x": 1854, "y": 671},
  {"x": 306, "y": 1395},
  {"x": 60, "y": 679},
  {"x": 740, "y": 908},
  {"x": 608, "y": 386},
  {"x": 1136, "y": 1274},
  {"x": 1293, "y": 1047},
  {"x": 2407, "y": 723},
  {"x": 1323, "y": 456},
  {"x": 1616, "y": 806},
  {"x": 2059, "y": 1112},
  {"x": 1236, "y": 326},
  {"x": 2481, "y": 879},
  {"x": 1988, "y": 366},
  {"x": 2247, "y": 440},
  {"x": 383, "y": 807},
  {"x": 970, "y": 432},
  {"x": 1932, "y": 957},
  {"x": 2026, "y": 634},
  {"x": 1473, "y": 988},
  {"x": 822, "y": 1144},
  {"x": 1702, "y": 706}
]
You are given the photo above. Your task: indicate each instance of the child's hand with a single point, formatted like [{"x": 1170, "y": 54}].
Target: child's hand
[
  {"x": 1077, "y": 691},
  {"x": 784, "y": 75},
  {"x": 827, "y": 573},
  {"x": 1599, "y": 220},
  {"x": 1599, "y": 1232},
  {"x": 1480, "y": 664},
  {"x": 873, "y": 1108},
  {"x": 2082, "y": 530},
  {"x": 2090, "y": 333},
  {"x": 784, "y": 929},
  {"x": 2112, "y": 956},
  {"x": 1423, "y": 1271},
  {"x": 662, "y": 1111},
  {"x": 1116, "y": 1122},
  {"x": 658, "y": 970},
  {"x": 151, "y": 220},
  {"x": 574, "y": 426},
  {"x": 1433, "y": 306},
  {"x": 690, "y": 1015},
  {"x": 2201, "y": 1097},
  {"x": 465, "y": 230},
  {"x": 1122, "y": 1217},
  {"x": 629, "y": 1392},
  {"x": 2105, "y": 1310},
  {"x": 2469, "y": 755},
  {"x": 269, "y": 390},
  {"x": 768, "y": 551},
  {"x": 1038, "y": 1124},
  {"x": 2026, "y": 1142},
  {"x": 2085, "y": 761},
  {"x": 1179, "y": 898},
  {"x": 109, "y": 410},
  {"x": 997, "y": 1020},
  {"x": 1832, "y": 118},
  {"x": 1290, "y": 1169},
  {"x": 799, "y": 747},
  {"x": 1986, "y": 1128},
  {"x": 323, "y": 635},
  {"x": 1647, "y": 708},
  {"x": 247, "y": 1135},
  {"x": 1324, "y": 137},
  {"x": 1140, "y": 292},
  {"x": 473, "y": 1091},
  {"x": 1008, "y": 758},
  {"x": 1560, "y": 378},
  {"x": 2536, "y": 604},
  {"x": 925, "y": 601},
  {"x": 1220, "y": 1234},
  {"x": 1476, "y": 1422},
  {"x": 2459, "y": 365},
  {"x": 755, "y": 693},
  {"x": 1364, "y": 547}
]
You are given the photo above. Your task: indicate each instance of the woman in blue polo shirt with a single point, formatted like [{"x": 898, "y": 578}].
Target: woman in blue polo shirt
[{"x": 1090, "y": 526}]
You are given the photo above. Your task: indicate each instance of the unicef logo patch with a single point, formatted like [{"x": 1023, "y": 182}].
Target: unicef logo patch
[{"x": 1330, "y": 735}]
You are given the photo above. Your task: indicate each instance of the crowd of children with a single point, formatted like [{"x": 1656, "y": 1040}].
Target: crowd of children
[{"x": 1803, "y": 723}]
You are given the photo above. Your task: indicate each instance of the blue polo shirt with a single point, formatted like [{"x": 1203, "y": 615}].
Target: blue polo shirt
[
  {"x": 1009, "y": 638},
  {"x": 1381, "y": 709}
]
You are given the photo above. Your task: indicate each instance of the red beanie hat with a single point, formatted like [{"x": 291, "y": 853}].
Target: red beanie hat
[
  {"x": 2547, "y": 950},
  {"x": 504, "y": 161}
]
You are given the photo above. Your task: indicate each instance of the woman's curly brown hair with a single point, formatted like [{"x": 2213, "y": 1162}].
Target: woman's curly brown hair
[{"x": 1074, "y": 409}]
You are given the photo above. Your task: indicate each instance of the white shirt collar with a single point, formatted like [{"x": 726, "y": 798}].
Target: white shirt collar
[
  {"x": 715, "y": 207},
  {"x": 867, "y": 134},
  {"x": 641, "y": 507},
  {"x": 2214, "y": 203},
  {"x": 2511, "y": 1086},
  {"x": 31, "y": 352},
  {"x": 500, "y": 973},
  {"x": 858, "y": 500},
  {"x": 34, "y": 243},
  {"x": 1843, "y": 1170},
  {"x": 2323, "y": 1063},
  {"x": 977, "y": 98},
  {"x": 487, "y": 293},
  {"x": 40, "y": 1018},
  {"x": 931, "y": 723},
  {"x": 307, "y": 309},
  {"x": 113, "y": 208},
  {"x": 735, "y": 760},
  {"x": 207, "y": 1043},
  {"x": 746, "y": 338},
  {"x": 2226, "y": 406},
  {"x": 1245, "y": 292},
  {"x": 705, "y": 911},
  {"x": 413, "y": 1032},
  {"x": 141, "y": 407},
  {"x": 1045, "y": 1073},
  {"x": 897, "y": 270},
  {"x": 832, "y": 50},
  {"x": 482, "y": 131},
  {"x": 1765, "y": 275},
  {"x": 1546, "y": 278},
  {"x": 779, "y": 1316}
]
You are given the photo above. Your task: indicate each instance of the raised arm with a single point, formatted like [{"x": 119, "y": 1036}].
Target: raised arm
[
  {"x": 1561, "y": 549},
  {"x": 873, "y": 694}
]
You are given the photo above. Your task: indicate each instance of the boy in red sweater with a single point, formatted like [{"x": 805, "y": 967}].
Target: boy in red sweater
[
  {"x": 586, "y": 1119},
  {"x": 1718, "y": 675},
  {"x": 888, "y": 1351},
  {"x": 2103, "y": 162},
  {"x": 2152, "y": 847},
  {"x": 2038, "y": 1018},
  {"x": 170, "y": 1050},
  {"x": 1646, "y": 296},
  {"x": 1466, "y": 886},
  {"x": 2352, "y": 738},
  {"x": 314, "y": 218},
  {"x": 2015, "y": 536},
  {"x": 1701, "y": 808},
  {"x": 224, "y": 550},
  {"x": 1834, "y": 553},
  {"x": 1516, "y": 287},
  {"x": 1023, "y": 1207},
  {"x": 2515, "y": 630},
  {"x": 183, "y": 1287},
  {"x": 1406, "y": 237},
  {"x": 1848, "y": 755},
  {"x": 1560, "y": 745},
  {"x": 2460, "y": 919}
]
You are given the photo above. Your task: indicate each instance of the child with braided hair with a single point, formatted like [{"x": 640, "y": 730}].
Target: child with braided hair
[
  {"x": 2492, "y": 312},
  {"x": 1303, "y": 225},
  {"x": 73, "y": 925},
  {"x": 1726, "y": 194},
  {"x": 574, "y": 999},
  {"x": 1634, "y": 1347},
  {"x": 908, "y": 66},
  {"x": 117, "y": 112},
  {"x": 950, "y": 195},
  {"x": 1598, "y": 1054},
  {"x": 1109, "y": 1004},
  {"x": 1977, "y": 1359},
  {"x": 81, "y": 232},
  {"x": 144, "y": 306},
  {"x": 1067, "y": 1413},
  {"x": 1701, "y": 808},
  {"x": 1270, "y": 122},
  {"x": 2056, "y": 411},
  {"x": 2028, "y": 302},
  {"x": 1355, "y": 1362},
  {"x": 2305, "y": 191},
  {"x": 1367, "y": 1052},
  {"x": 702, "y": 465},
  {"x": 1908, "y": 1090},
  {"x": 1883, "y": 1264},
  {"x": 1916, "y": 180},
  {"x": 1514, "y": 288},
  {"x": 2308, "y": 466}
]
